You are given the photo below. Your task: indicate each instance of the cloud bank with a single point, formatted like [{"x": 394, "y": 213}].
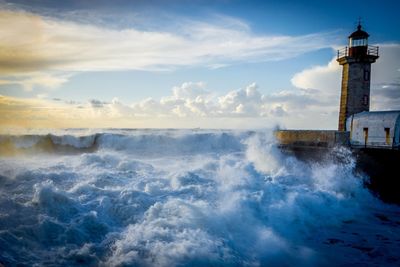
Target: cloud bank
[
  {"x": 313, "y": 104},
  {"x": 43, "y": 51},
  {"x": 189, "y": 105},
  {"x": 39, "y": 50},
  {"x": 324, "y": 82}
]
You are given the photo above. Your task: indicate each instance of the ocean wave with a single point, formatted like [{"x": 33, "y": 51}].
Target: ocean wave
[
  {"x": 217, "y": 199},
  {"x": 172, "y": 142},
  {"x": 49, "y": 143}
]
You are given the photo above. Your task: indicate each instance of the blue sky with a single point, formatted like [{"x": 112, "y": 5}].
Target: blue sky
[{"x": 126, "y": 52}]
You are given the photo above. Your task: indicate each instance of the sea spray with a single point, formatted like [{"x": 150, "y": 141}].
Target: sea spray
[{"x": 186, "y": 198}]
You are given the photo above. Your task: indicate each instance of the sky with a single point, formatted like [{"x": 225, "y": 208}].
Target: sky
[{"x": 187, "y": 64}]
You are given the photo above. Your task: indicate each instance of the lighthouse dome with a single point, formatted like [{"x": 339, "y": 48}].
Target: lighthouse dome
[{"x": 359, "y": 34}]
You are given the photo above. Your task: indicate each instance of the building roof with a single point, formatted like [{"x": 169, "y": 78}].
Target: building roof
[
  {"x": 359, "y": 34},
  {"x": 377, "y": 116},
  {"x": 377, "y": 113}
]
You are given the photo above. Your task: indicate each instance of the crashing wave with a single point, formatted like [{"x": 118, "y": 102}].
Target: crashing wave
[
  {"x": 18, "y": 144},
  {"x": 186, "y": 198},
  {"x": 144, "y": 143}
]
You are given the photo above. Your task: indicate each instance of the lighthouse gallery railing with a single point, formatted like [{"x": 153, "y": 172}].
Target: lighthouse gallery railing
[{"x": 371, "y": 50}]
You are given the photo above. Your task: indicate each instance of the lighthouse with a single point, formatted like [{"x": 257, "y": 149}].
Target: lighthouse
[
  {"x": 373, "y": 137},
  {"x": 356, "y": 59},
  {"x": 359, "y": 128}
]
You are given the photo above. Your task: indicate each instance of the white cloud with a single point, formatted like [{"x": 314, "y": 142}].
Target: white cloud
[
  {"x": 323, "y": 83},
  {"x": 189, "y": 90},
  {"x": 29, "y": 80},
  {"x": 244, "y": 102},
  {"x": 189, "y": 105},
  {"x": 325, "y": 78},
  {"x": 33, "y": 43},
  {"x": 246, "y": 107},
  {"x": 278, "y": 111},
  {"x": 43, "y": 51},
  {"x": 385, "y": 88},
  {"x": 192, "y": 104},
  {"x": 193, "y": 100}
]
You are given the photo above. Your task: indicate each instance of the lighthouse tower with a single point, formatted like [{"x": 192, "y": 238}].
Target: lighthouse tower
[{"x": 356, "y": 60}]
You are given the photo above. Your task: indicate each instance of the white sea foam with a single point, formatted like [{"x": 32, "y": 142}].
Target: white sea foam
[{"x": 188, "y": 198}]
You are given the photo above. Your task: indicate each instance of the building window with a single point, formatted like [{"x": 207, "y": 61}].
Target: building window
[
  {"x": 387, "y": 136},
  {"x": 365, "y": 136},
  {"x": 358, "y": 42},
  {"x": 366, "y": 75},
  {"x": 365, "y": 100}
]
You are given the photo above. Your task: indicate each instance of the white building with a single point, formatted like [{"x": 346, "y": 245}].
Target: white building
[{"x": 375, "y": 129}]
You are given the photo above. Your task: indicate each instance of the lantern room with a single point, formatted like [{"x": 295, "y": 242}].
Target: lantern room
[
  {"x": 358, "y": 38},
  {"x": 358, "y": 43}
]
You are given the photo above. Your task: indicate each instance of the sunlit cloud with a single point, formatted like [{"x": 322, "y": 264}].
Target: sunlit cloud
[
  {"x": 189, "y": 105},
  {"x": 31, "y": 113},
  {"x": 40, "y": 51},
  {"x": 51, "y": 49},
  {"x": 29, "y": 80},
  {"x": 323, "y": 82},
  {"x": 192, "y": 104}
]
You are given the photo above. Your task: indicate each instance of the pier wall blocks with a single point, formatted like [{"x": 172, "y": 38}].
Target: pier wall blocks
[{"x": 316, "y": 138}]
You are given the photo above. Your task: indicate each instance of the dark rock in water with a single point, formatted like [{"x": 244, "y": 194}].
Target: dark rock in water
[{"x": 381, "y": 165}]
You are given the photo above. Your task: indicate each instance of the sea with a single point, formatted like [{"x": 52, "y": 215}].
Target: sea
[{"x": 169, "y": 197}]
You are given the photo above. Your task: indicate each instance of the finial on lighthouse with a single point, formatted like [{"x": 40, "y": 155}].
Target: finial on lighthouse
[{"x": 359, "y": 33}]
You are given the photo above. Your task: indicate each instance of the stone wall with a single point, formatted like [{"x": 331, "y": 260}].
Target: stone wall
[
  {"x": 312, "y": 138},
  {"x": 355, "y": 87}
]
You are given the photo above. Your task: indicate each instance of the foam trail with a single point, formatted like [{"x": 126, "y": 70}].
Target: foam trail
[{"x": 185, "y": 198}]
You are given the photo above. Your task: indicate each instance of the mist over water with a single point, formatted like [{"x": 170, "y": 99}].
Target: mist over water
[{"x": 184, "y": 198}]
